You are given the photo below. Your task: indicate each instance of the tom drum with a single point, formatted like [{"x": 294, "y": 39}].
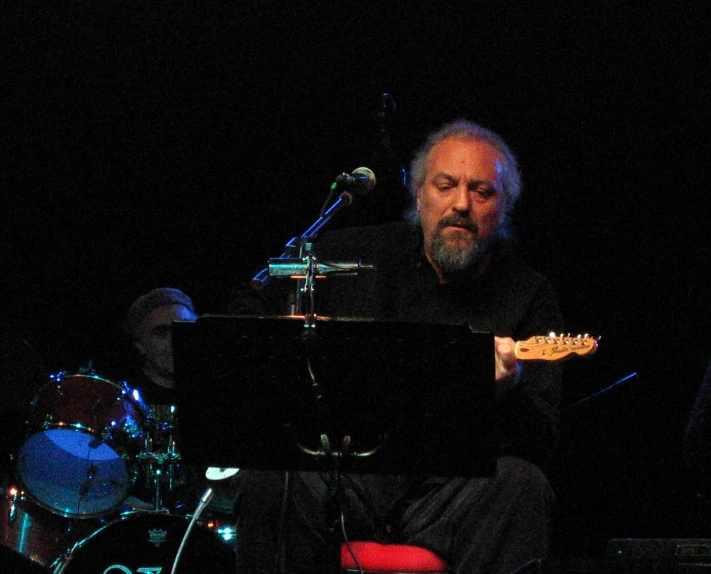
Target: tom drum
[{"x": 84, "y": 433}]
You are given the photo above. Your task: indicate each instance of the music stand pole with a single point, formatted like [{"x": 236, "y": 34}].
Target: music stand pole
[{"x": 335, "y": 503}]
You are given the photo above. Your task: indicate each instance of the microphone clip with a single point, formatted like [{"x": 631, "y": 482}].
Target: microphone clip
[{"x": 361, "y": 180}]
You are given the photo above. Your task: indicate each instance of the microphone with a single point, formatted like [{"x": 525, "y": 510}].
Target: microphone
[{"x": 362, "y": 179}]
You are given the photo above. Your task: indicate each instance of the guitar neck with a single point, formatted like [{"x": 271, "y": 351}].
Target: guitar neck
[{"x": 555, "y": 348}]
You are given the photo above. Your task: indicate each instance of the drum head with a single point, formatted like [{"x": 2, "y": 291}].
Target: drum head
[
  {"x": 149, "y": 542},
  {"x": 73, "y": 478}
]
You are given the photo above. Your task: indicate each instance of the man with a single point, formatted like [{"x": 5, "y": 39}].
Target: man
[
  {"x": 148, "y": 322},
  {"x": 451, "y": 263}
]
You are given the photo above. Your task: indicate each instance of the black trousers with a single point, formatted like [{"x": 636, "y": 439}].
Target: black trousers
[{"x": 488, "y": 526}]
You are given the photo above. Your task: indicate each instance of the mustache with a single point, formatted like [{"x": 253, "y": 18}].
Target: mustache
[{"x": 459, "y": 221}]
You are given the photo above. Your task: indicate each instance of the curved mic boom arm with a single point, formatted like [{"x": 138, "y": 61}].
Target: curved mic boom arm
[{"x": 299, "y": 262}]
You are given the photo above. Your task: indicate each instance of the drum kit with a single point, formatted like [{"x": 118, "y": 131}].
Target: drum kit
[{"x": 88, "y": 444}]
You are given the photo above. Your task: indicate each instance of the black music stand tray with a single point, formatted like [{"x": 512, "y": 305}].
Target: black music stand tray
[{"x": 364, "y": 396}]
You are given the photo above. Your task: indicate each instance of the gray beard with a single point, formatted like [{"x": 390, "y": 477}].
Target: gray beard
[{"x": 451, "y": 259}]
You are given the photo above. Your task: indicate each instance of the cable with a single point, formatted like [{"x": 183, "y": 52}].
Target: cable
[
  {"x": 348, "y": 544},
  {"x": 281, "y": 540},
  {"x": 598, "y": 393}
]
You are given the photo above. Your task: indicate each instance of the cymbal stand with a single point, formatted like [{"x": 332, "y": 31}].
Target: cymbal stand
[{"x": 158, "y": 461}]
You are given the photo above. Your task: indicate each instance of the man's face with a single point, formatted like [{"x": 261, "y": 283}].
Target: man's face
[
  {"x": 460, "y": 204},
  {"x": 155, "y": 338}
]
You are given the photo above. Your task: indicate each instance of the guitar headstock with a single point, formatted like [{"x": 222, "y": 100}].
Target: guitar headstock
[{"x": 554, "y": 347}]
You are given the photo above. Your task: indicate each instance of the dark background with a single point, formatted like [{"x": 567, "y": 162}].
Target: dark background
[{"x": 181, "y": 144}]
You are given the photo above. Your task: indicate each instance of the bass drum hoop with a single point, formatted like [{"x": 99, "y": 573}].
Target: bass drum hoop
[{"x": 148, "y": 541}]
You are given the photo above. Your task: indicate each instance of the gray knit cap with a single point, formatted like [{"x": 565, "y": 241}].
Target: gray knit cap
[{"x": 151, "y": 301}]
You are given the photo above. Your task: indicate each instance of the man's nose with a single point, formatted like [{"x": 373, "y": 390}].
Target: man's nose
[{"x": 461, "y": 199}]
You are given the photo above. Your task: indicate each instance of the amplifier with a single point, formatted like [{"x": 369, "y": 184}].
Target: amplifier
[
  {"x": 664, "y": 550},
  {"x": 617, "y": 566}
]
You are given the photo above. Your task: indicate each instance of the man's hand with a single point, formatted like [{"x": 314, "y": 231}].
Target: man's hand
[{"x": 507, "y": 368}]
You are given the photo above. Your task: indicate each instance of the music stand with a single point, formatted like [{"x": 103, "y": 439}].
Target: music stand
[{"x": 408, "y": 398}]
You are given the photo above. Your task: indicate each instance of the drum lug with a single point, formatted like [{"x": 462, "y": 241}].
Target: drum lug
[
  {"x": 135, "y": 471},
  {"x": 107, "y": 435},
  {"x": 59, "y": 376},
  {"x": 87, "y": 368},
  {"x": 132, "y": 428},
  {"x": 58, "y": 381},
  {"x": 12, "y": 514}
]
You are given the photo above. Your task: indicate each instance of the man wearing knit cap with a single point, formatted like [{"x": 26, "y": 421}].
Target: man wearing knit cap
[{"x": 148, "y": 322}]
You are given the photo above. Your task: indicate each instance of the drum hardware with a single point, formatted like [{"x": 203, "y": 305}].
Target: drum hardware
[
  {"x": 85, "y": 442},
  {"x": 157, "y": 477},
  {"x": 225, "y": 528},
  {"x": 13, "y": 495},
  {"x": 161, "y": 463}
]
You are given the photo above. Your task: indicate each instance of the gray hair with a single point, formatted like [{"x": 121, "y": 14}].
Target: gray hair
[{"x": 466, "y": 130}]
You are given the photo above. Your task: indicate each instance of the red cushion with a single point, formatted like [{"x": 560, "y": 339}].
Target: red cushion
[{"x": 392, "y": 558}]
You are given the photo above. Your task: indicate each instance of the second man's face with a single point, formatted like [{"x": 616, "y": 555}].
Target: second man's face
[{"x": 155, "y": 340}]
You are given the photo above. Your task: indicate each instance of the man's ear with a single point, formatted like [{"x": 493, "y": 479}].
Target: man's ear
[
  {"x": 419, "y": 199},
  {"x": 139, "y": 347}
]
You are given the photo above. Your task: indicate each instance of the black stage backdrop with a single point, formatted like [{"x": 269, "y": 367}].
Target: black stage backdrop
[{"x": 182, "y": 143}]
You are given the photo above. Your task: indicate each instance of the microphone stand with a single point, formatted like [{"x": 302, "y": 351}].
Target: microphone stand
[
  {"x": 202, "y": 505},
  {"x": 393, "y": 166},
  {"x": 299, "y": 262},
  {"x": 295, "y": 246}
]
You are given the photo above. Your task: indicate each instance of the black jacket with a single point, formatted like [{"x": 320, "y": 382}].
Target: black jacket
[{"x": 507, "y": 299}]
